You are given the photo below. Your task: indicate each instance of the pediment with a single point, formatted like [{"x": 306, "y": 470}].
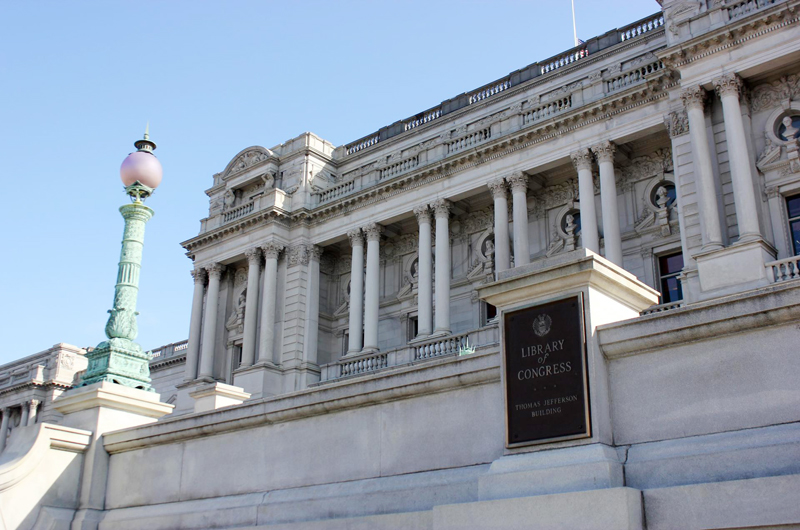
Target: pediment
[{"x": 247, "y": 159}]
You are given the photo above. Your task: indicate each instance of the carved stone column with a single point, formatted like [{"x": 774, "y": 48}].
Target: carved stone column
[
  {"x": 711, "y": 233},
  {"x": 608, "y": 198},
  {"x": 729, "y": 88},
  {"x": 372, "y": 296},
  {"x": 519, "y": 190},
  {"x": 4, "y": 428},
  {"x": 311, "y": 337},
  {"x": 582, "y": 160},
  {"x": 215, "y": 271},
  {"x": 441, "y": 210},
  {"x": 424, "y": 273},
  {"x": 356, "y": 290},
  {"x": 25, "y": 411},
  {"x": 271, "y": 252},
  {"x": 34, "y": 409},
  {"x": 502, "y": 252},
  {"x": 251, "y": 306},
  {"x": 195, "y": 325}
]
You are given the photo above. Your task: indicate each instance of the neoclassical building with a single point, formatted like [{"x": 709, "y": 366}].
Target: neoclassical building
[{"x": 345, "y": 356}]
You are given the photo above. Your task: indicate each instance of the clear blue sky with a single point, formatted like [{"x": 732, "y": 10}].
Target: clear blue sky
[{"x": 78, "y": 81}]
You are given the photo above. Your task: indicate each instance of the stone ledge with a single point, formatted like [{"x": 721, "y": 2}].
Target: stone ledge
[
  {"x": 401, "y": 383},
  {"x": 110, "y": 395},
  {"x": 768, "y": 306}
]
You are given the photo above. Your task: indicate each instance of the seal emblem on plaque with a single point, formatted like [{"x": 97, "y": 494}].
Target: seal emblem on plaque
[{"x": 541, "y": 325}]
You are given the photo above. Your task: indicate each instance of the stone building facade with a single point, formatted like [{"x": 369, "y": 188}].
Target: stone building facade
[{"x": 352, "y": 296}]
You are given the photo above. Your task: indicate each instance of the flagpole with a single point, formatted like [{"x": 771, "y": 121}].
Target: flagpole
[{"x": 574, "y": 27}]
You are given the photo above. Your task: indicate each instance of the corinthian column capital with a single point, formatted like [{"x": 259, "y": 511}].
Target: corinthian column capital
[
  {"x": 199, "y": 275},
  {"x": 356, "y": 237},
  {"x": 581, "y": 159},
  {"x": 423, "y": 214},
  {"x": 271, "y": 250},
  {"x": 215, "y": 270},
  {"x": 498, "y": 188},
  {"x": 518, "y": 181},
  {"x": 253, "y": 255},
  {"x": 728, "y": 85},
  {"x": 694, "y": 97},
  {"x": 441, "y": 208},
  {"x": 315, "y": 252},
  {"x": 373, "y": 231},
  {"x": 604, "y": 151}
]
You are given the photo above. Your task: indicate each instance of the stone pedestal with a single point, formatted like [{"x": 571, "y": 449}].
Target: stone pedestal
[
  {"x": 100, "y": 408},
  {"x": 739, "y": 267},
  {"x": 610, "y": 294},
  {"x": 214, "y": 396},
  {"x": 259, "y": 381}
]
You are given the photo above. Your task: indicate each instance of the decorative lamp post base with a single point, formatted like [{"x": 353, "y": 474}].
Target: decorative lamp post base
[{"x": 120, "y": 361}]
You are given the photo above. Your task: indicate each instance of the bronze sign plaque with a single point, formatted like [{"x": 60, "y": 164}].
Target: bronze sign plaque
[{"x": 545, "y": 373}]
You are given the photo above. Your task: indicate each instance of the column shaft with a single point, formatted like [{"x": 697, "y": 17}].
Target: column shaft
[
  {"x": 711, "y": 233},
  {"x": 4, "y": 428},
  {"x": 744, "y": 198},
  {"x": 372, "y": 295},
  {"x": 356, "y": 290},
  {"x": 519, "y": 192},
  {"x": 608, "y": 199},
  {"x": 25, "y": 411},
  {"x": 442, "y": 281},
  {"x": 502, "y": 251},
  {"x": 424, "y": 274},
  {"x": 266, "y": 348},
  {"x": 251, "y": 307},
  {"x": 210, "y": 321},
  {"x": 195, "y": 325},
  {"x": 34, "y": 409},
  {"x": 589, "y": 234},
  {"x": 311, "y": 338}
]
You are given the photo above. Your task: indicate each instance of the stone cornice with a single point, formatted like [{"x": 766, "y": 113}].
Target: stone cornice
[{"x": 272, "y": 215}]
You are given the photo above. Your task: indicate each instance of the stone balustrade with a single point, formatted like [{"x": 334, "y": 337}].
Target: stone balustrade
[
  {"x": 400, "y": 167},
  {"x": 168, "y": 350},
  {"x": 469, "y": 140},
  {"x": 488, "y": 91},
  {"x": 660, "y": 308},
  {"x": 449, "y": 345},
  {"x": 339, "y": 190},
  {"x": 783, "y": 270},
  {"x": 633, "y": 77},
  {"x": 559, "y": 61},
  {"x": 546, "y": 111},
  {"x": 742, "y": 9},
  {"x": 641, "y": 26},
  {"x": 363, "y": 364},
  {"x": 359, "y": 145},
  {"x": 422, "y": 118},
  {"x": 238, "y": 212}
]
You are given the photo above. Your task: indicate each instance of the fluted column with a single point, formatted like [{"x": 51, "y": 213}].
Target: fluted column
[
  {"x": 519, "y": 191},
  {"x": 441, "y": 210},
  {"x": 608, "y": 199},
  {"x": 583, "y": 164},
  {"x": 311, "y": 337},
  {"x": 502, "y": 252},
  {"x": 372, "y": 296},
  {"x": 711, "y": 233},
  {"x": 266, "y": 351},
  {"x": 34, "y": 409},
  {"x": 356, "y": 290},
  {"x": 215, "y": 271},
  {"x": 424, "y": 273},
  {"x": 195, "y": 325},
  {"x": 729, "y": 88},
  {"x": 251, "y": 307},
  {"x": 4, "y": 428}
]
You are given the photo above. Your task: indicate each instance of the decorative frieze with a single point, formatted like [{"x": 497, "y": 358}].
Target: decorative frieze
[
  {"x": 299, "y": 255},
  {"x": 677, "y": 123},
  {"x": 773, "y": 94}
]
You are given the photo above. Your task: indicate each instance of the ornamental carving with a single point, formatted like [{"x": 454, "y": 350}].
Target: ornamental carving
[
  {"x": 298, "y": 255},
  {"x": 498, "y": 188},
  {"x": 478, "y": 221},
  {"x": 694, "y": 97},
  {"x": 356, "y": 237},
  {"x": 582, "y": 160},
  {"x": 647, "y": 166},
  {"x": 247, "y": 159},
  {"x": 405, "y": 244},
  {"x": 423, "y": 214},
  {"x": 215, "y": 271},
  {"x": 558, "y": 194},
  {"x": 253, "y": 255},
  {"x": 327, "y": 263},
  {"x": 604, "y": 151},
  {"x": 199, "y": 275},
  {"x": 677, "y": 123},
  {"x": 518, "y": 181},
  {"x": 315, "y": 252},
  {"x": 728, "y": 85},
  {"x": 271, "y": 250},
  {"x": 441, "y": 208},
  {"x": 240, "y": 277},
  {"x": 774, "y": 94},
  {"x": 373, "y": 231}
]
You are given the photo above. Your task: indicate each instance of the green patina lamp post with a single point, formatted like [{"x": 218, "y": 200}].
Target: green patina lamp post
[{"x": 120, "y": 359}]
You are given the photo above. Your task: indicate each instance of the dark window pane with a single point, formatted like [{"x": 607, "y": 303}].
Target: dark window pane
[
  {"x": 491, "y": 311},
  {"x": 794, "y": 228},
  {"x": 671, "y": 290},
  {"x": 793, "y": 205},
  {"x": 670, "y": 264}
]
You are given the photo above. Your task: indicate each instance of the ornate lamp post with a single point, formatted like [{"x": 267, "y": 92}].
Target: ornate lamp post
[{"x": 119, "y": 359}]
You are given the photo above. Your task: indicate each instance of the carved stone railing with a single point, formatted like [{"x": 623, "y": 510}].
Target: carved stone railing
[
  {"x": 487, "y": 91},
  {"x": 784, "y": 270},
  {"x": 337, "y": 191},
  {"x": 547, "y": 110},
  {"x": 742, "y": 9},
  {"x": 363, "y": 364},
  {"x": 469, "y": 140},
  {"x": 422, "y": 118},
  {"x": 238, "y": 212},
  {"x": 633, "y": 77},
  {"x": 168, "y": 350},
  {"x": 642, "y": 26},
  {"x": 660, "y": 308},
  {"x": 448, "y": 345},
  {"x": 400, "y": 167},
  {"x": 365, "y": 142},
  {"x": 559, "y": 61}
]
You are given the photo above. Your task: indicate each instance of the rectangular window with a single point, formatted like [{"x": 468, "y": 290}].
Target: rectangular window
[
  {"x": 669, "y": 267},
  {"x": 489, "y": 313},
  {"x": 413, "y": 328},
  {"x": 793, "y": 210}
]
